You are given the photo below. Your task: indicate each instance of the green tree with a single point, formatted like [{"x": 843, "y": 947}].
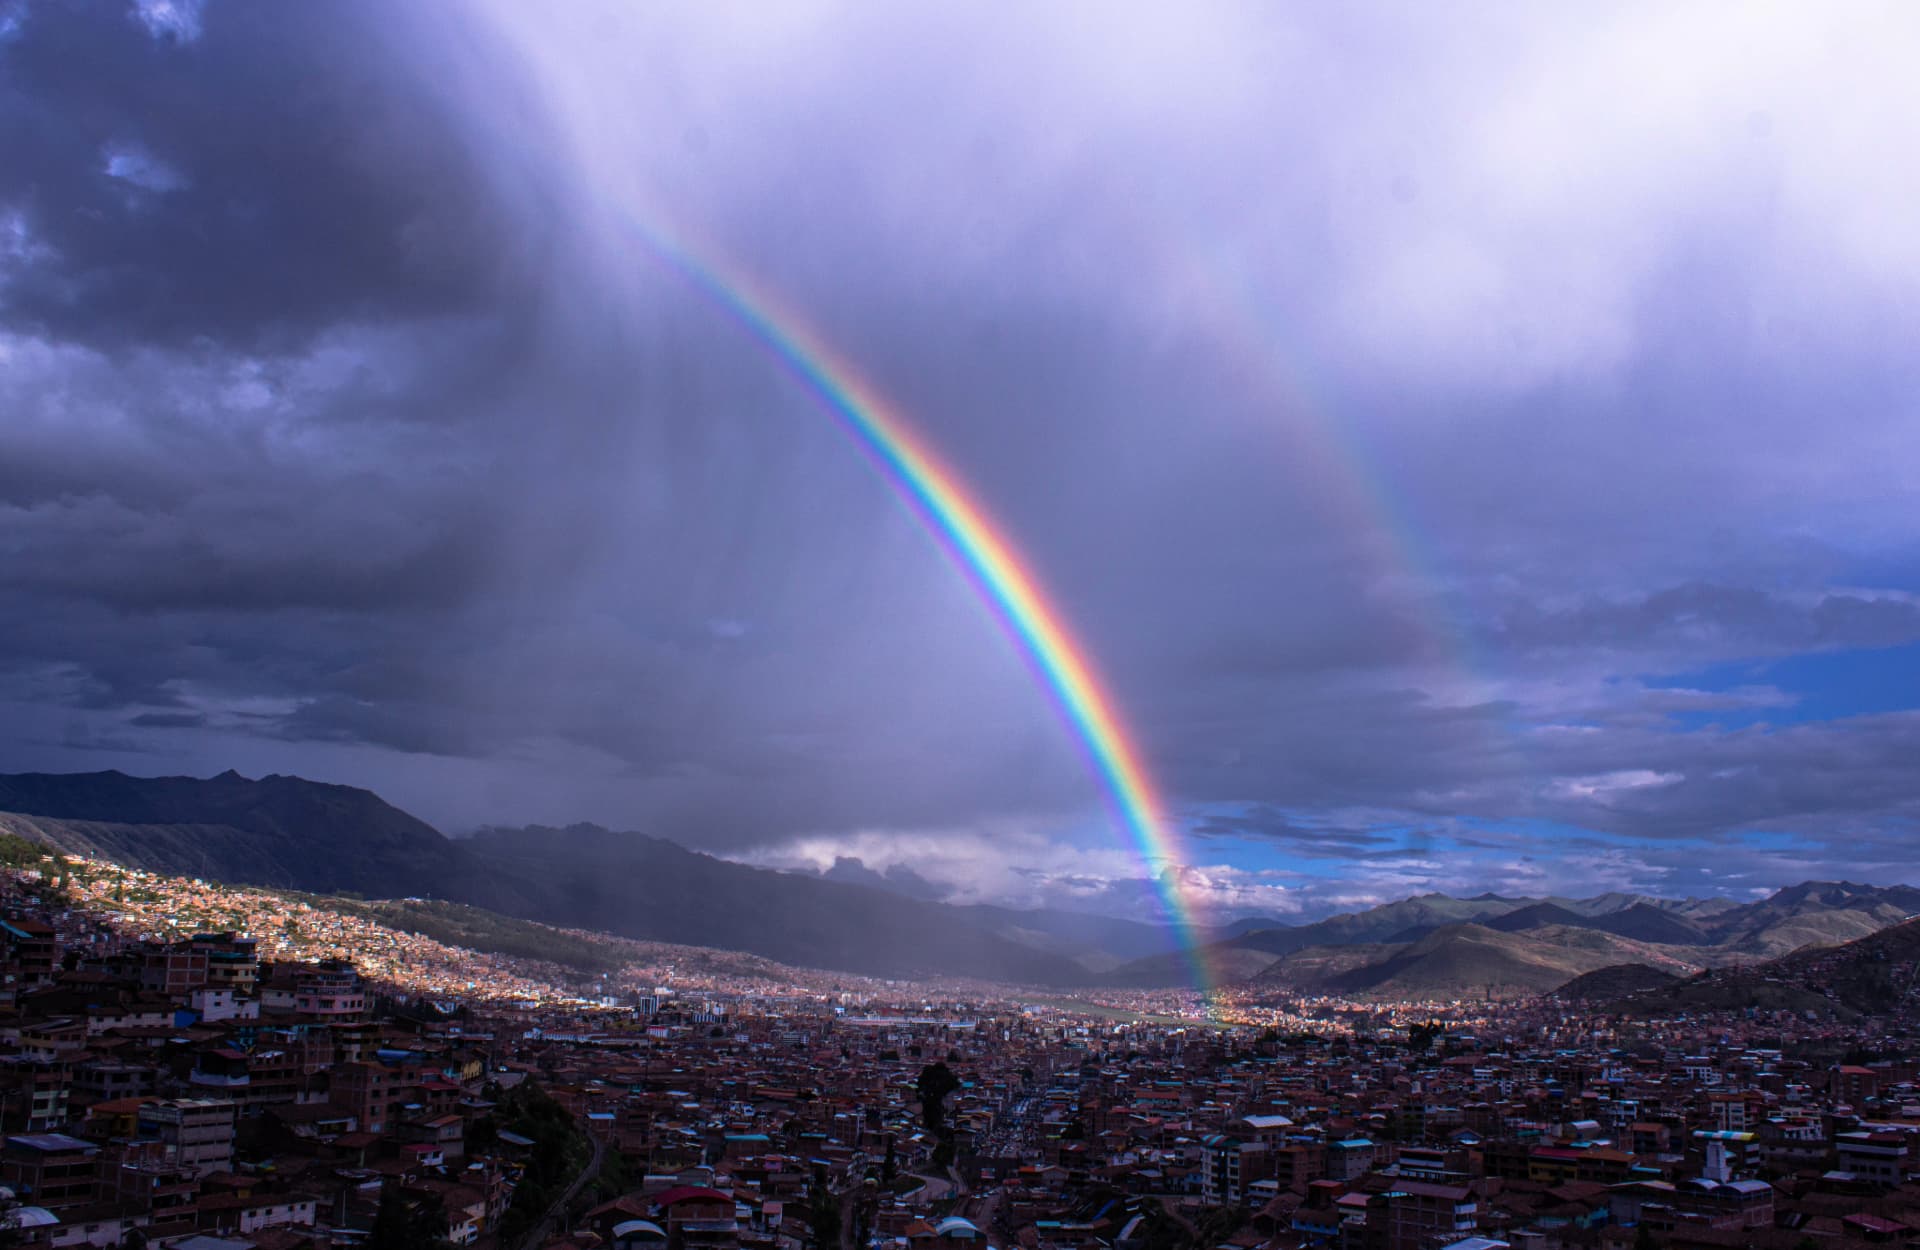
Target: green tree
[
  {"x": 19, "y": 852},
  {"x": 865, "y": 1202},
  {"x": 823, "y": 1214},
  {"x": 560, "y": 1150},
  {"x": 408, "y": 1221},
  {"x": 934, "y": 1083},
  {"x": 1220, "y": 1223}
]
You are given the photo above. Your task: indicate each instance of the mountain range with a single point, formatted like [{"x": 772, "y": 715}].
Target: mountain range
[
  {"x": 1866, "y": 976},
  {"x": 1434, "y": 945},
  {"x": 290, "y": 833}
]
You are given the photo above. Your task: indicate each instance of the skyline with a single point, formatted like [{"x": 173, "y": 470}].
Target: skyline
[{"x": 1466, "y": 473}]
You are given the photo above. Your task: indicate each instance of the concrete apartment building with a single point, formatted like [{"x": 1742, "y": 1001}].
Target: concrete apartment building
[{"x": 194, "y": 1133}]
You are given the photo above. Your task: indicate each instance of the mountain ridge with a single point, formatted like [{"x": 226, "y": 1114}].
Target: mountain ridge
[
  {"x": 290, "y": 833},
  {"x": 1865, "y": 976},
  {"x": 1683, "y": 935},
  {"x": 317, "y": 837}
]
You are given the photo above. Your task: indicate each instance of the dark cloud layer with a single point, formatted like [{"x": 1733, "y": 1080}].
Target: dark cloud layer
[
  {"x": 283, "y": 172},
  {"x": 1399, "y": 424}
]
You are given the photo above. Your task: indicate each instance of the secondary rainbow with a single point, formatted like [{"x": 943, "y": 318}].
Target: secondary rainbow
[
  {"x": 982, "y": 552},
  {"x": 1220, "y": 297}
]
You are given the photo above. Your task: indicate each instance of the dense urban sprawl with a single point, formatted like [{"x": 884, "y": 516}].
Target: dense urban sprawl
[{"x": 212, "y": 1068}]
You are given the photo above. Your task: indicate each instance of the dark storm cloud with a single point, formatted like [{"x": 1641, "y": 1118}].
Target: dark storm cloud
[
  {"x": 1815, "y": 778},
  {"x": 167, "y": 720},
  {"x": 260, "y": 286},
  {"x": 1319, "y": 839},
  {"x": 1747, "y": 619},
  {"x": 279, "y": 172},
  {"x": 1390, "y": 448}
]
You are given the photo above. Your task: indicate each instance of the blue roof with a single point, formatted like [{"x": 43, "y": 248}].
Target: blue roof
[{"x": 50, "y": 1142}]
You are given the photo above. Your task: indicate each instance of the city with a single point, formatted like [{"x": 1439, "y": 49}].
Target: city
[
  {"x": 856, "y": 625},
  {"x": 302, "y": 1080}
]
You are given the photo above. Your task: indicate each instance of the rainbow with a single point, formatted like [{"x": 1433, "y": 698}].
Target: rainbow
[{"x": 982, "y": 551}]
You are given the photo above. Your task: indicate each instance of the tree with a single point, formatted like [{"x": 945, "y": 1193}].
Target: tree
[
  {"x": 1220, "y": 1223},
  {"x": 934, "y": 1083},
  {"x": 863, "y": 1209},
  {"x": 10, "y": 1222},
  {"x": 560, "y": 1151},
  {"x": 823, "y": 1214},
  {"x": 408, "y": 1221}
]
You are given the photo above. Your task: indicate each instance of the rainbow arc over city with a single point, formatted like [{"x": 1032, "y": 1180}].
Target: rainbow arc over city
[{"x": 980, "y": 549}]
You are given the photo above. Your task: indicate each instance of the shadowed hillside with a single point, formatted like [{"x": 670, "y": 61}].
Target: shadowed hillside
[
  {"x": 289, "y": 833},
  {"x": 277, "y": 831},
  {"x": 1458, "y": 961},
  {"x": 1866, "y": 976},
  {"x": 1615, "y": 982},
  {"x": 1677, "y": 934}
]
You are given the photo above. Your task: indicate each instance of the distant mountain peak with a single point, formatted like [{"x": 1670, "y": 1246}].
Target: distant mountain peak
[{"x": 898, "y": 878}]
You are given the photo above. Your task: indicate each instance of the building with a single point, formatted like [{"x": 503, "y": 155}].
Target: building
[
  {"x": 172, "y": 968},
  {"x": 233, "y": 962},
  {"x": 698, "y": 1218},
  {"x": 194, "y": 1133},
  {"x": 1349, "y": 1158},
  {"x": 34, "y": 1092},
  {"x": 325, "y": 992},
  {"x": 1421, "y": 1215},
  {"x": 50, "y": 1170},
  {"x": 31, "y": 948},
  {"x": 1878, "y": 1157},
  {"x": 1228, "y": 1166}
]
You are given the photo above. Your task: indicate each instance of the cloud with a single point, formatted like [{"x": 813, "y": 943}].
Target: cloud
[
  {"x": 1026, "y": 868},
  {"x": 1405, "y": 412},
  {"x": 262, "y": 214},
  {"x": 133, "y": 164},
  {"x": 168, "y": 720},
  {"x": 175, "y": 20}
]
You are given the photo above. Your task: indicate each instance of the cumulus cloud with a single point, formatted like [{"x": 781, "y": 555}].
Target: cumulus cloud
[{"x": 1029, "y": 868}]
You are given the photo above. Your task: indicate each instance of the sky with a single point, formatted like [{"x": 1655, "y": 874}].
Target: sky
[{"x": 1476, "y": 446}]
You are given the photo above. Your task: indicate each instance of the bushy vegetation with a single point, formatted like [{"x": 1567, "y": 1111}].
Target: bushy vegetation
[
  {"x": 19, "y": 852},
  {"x": 408, "y": 1221},
  {"x": 560, "y": 1150},
  {"x": 476, "y": 929}
]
